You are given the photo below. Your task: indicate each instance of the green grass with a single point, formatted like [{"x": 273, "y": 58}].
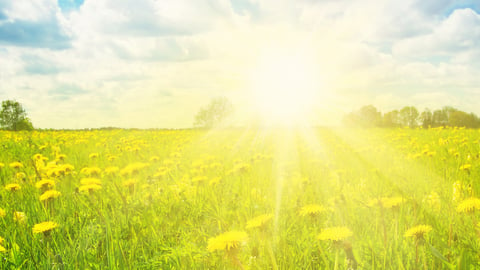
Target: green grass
[{"x": 215, "y": 181}]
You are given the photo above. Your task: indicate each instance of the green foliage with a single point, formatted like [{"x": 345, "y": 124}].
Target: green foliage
[
  {"x": 367, "y": 116},
  {"x": 391, "y": 119},
  {"x": 217, "y": 111},
  {"x": 13, "y": 116},
  {"x": 426, "y": 118},
  {"x": 408, "y": 116}
]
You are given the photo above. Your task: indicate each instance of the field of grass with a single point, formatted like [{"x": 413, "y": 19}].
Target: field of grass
[{"x": 240, "y": 199}]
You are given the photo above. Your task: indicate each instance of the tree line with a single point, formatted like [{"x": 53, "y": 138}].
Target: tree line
[{"x": 409, "y": 116}]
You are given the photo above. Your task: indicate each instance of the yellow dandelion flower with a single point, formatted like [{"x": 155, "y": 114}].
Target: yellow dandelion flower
[
  {"x": 61, "y": 157},
  {"x": 20, "y": 175},
  {"x": 67, "y": 168},
  {"x": 241, "y": 168},
  {"x": 199, "y": 179},
  {"x": 457, "y": 191},
  {"x": 50, "y": 194},
  {"x": 2, "y": 165},
  {"x": 89, "y": 188},
  {"x": 45, "y": 183},
  {"x": 469, "y": 205},
  {"x": 227, "y": 241},
  {"x": 111, "y": 170},
  {"x": 418, "y": 231},
  {"x": 215, "y": 165},
  {"x": 312, "y": 210},
  {"x": 259, "y": 221},
  {"x": 13, "y": 187},
  {"x": 19, "y": 216},
  {"x": 335, "y": 233},
  {"x": 2, "y": 249},
  {"x": 197, "y": 163},
  {"x": 91, "y": 171},
  {"x": 386, "y": 202},
  {"x": 90, "y": 181},
  {"x": 93, "y": 155},
  {"x": 133, "y": 168},
  {"x": 16, "y": 165},
  {"x": 162, "y": 171},
  {"x": 44, "y": 227},
  {"x": 214, "y": 181},
  {"x": 129, "y": 182},
  {"x": 154, "y": 158},
  {"x": 168, "y": 162},
  {"x": 433, "y": 200},
  {"x": 390, "y": 202},
  {"x": 2, "y": 212},
  {"x": 465, "y": 167}
]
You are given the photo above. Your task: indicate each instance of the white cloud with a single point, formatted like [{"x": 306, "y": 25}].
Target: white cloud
[
  {"x": 35, "y": 10},
  {"x": 457, "y": 33},
  {"x": 155, "y": 63}
]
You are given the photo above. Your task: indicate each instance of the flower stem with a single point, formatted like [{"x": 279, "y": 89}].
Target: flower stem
[
  {"x": 336, "y": 260},
  {"x": 416, "y": 252},
  {"x": 272, "y": 256}
]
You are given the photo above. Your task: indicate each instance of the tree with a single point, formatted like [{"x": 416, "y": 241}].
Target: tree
[
  {"x": 14, "y": 117},
  {"x": 370, "y": 116},
  {"x": 409, "y": 116},
  {"x": 463, "y": 119},
  {"x": 367, "y": 116},
  {"x": 391, "y": 119},
  {"x": 214, "y": 113},
  {"x": 439, "y": 118},
  {"x": 426, "y": 117}
]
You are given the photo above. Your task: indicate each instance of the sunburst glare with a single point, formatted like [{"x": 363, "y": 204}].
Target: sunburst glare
[{"x": 285, "y": 86}]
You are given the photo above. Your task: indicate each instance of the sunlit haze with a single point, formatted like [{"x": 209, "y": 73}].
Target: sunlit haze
[
  {"x": 285, "y": 86},
  {"x": 154, "y": 64}
]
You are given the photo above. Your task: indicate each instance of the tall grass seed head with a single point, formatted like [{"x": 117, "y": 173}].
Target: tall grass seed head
[
  {"x": 433, "y": 201},
  {"x": 20, "y": 176},
  {"x": 19, "y": 217}
]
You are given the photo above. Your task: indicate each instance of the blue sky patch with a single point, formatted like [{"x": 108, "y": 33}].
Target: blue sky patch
[
  {"x": 69, "y": 5},
  {"x": 31, "y": 34},
  {"x": 472, "y": 4},
  {"x": 38, "y": 66},
  {"x": 244, "y": 7},
  {"x": 2, "y": 16}
]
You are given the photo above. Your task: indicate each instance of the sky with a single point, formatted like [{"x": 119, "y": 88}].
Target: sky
[{"x": 155, "y": 63}]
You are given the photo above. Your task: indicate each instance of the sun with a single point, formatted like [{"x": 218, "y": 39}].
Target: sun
[{"x": 285, "y": 86}]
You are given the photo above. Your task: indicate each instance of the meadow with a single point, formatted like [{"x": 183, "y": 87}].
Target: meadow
[{"x": 323, "y": 198}]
